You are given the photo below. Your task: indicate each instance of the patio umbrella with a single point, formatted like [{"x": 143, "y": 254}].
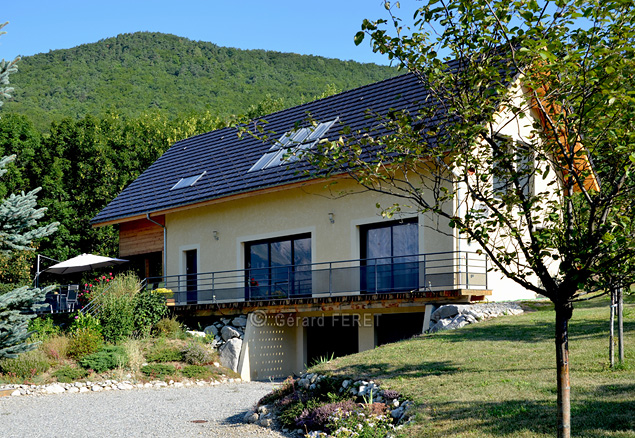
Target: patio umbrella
[{"x": 84, "y": 262}]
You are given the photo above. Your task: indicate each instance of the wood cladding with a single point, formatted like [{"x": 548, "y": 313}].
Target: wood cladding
[{"x": 140, "y": 237}]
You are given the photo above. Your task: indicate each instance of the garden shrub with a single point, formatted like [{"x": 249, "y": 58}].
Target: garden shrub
[
  {"x": 196, "y": 354},
  {"x": 105, "y": 359},
  {"x": 197, "y": 372},
  {"x": 68, "y": 374},
  {"x": 168, "y": 327},
  {"x": 164, "y": 353},
  {"x": 56, "y": 347},
  {"x": 149, "y": 308},
  {"x": 290, "y": 414},
  {"x": 83, "y": 342},
  {"x": 43, "y": 328},
  {"x": 158, "y": 370},
  {"x": 114, "y": 301},
  {"x": 82, "y": 321},
  {"x": 26, "y": 365},
  {"x": 318, "y": 417}
]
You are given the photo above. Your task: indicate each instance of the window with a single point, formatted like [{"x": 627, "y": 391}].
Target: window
[
  {"x": 512, "y": 161},
  {"x": 278, "y": 268},
  {"x": 290, "y": 144},
  {"x": 389, "y": 256},
  {"x": 187, "y": 182}
]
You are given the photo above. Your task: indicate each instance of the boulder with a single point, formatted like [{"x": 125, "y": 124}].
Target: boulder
[
  {"x": 458, "y": 322},
  {"x": 240, "y": 321},
  {"x": 211, "y": 330},
  {"x": 230, "y": 353},
  {"x": 443, "y": 312},
  {"x": 229, "y": 332},
  {"x": 441, "y": 325}
]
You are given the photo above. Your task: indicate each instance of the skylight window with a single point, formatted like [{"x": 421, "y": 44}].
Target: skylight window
[
  {"x": 187, "y": 182},
  {"x": 290, "y": 144}
]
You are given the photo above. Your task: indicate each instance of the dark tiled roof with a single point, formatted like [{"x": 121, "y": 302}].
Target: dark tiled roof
[{"x": 226, "y": 158}]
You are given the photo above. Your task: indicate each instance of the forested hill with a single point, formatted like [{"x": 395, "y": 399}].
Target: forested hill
[{"x": 133, "y": 73}]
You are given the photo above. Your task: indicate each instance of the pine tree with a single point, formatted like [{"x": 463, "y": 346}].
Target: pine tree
[{"x": 18, "y": 228}]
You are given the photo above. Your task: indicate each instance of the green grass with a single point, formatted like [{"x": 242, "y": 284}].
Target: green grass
[{"x": 497, "y": 378}]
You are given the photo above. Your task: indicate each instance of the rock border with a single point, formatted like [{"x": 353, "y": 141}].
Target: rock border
[
  {"x": 15, "y": 390},
  {"x": 454, "y": 316}
]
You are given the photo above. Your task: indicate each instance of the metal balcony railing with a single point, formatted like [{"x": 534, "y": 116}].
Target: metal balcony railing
[{"x": 422, "y": 272}]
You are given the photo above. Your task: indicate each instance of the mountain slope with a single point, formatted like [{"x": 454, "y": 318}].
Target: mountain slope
[{"x": 133, "y": 73}]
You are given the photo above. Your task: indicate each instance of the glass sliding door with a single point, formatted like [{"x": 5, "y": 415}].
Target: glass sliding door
[
  {"x": 389, "y": 256},
  {"x": 278, "y": 268}
]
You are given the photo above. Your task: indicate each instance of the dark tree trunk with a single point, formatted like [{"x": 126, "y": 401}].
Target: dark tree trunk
[{"x": 563, "y": 315}]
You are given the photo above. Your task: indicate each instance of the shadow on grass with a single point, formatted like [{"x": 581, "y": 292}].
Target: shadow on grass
[
  {"x": 379, "y": 370},
  {"x": 589, "y": 415},
  {"x": 529, "y": 332}
]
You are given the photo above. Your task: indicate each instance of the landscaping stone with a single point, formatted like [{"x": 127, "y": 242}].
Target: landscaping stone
[
  {"x": 265, "y": 422},
  {"x": 240, "y": 321},
  {"x": 54, "y": 389},
  {"x": 228, "y": 332},
  {"x": 453, "y": 316},
  {"x": 230, "y": 353},
  {"x": 251, "y": 417},
  {"x": 211, "y": 330}
]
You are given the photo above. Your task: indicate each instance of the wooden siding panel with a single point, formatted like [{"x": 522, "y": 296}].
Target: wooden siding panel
[{"x": 140, "y": 237}]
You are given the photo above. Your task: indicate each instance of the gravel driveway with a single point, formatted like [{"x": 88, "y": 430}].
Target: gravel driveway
[{"x": 155, "y": 413}]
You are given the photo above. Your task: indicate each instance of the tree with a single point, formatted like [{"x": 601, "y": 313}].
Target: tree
[
  {"x": 525, "y": 145},
  {"x": 18, "y": 229}
]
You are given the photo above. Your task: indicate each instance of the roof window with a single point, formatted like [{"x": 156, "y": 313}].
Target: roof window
[
  {"x": 290, "y": 144},
  {"x": 187, "y": 182}
]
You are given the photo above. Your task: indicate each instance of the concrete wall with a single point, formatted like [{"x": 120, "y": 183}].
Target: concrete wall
[{"x": 275, "y": 346}]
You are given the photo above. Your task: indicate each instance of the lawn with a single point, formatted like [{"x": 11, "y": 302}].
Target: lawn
[{"x": 497, "y": 378}]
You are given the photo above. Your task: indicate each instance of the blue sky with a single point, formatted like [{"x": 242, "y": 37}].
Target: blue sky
[{"x": 324, "y": 28}]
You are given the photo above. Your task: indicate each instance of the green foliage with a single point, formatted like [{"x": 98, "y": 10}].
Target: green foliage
[
  {"x": 43, "y": 328},
  {"x": 158, "y": 370},
  {"x": 168, "y": 327},
  {"x": 149, "y": 308},
  {"x": 15, "y": 268},
  {"x": 131, "y": 73},
  {"x": 116, "y": 307},
  {"x": 18, "y": 229},
  {"x": 84, "y": 341},
  {"x": 69, "y": 374},
  {"x": 196, "y": 354},
  {"x": 26, "y": 365},
  {"x": 197, "y": 372},
  {"x": 162, "y": 352},
  {"x": 105, "y": 359},
  {"x": 292, "y": 412},
  {"x": 84, "y": 321}
]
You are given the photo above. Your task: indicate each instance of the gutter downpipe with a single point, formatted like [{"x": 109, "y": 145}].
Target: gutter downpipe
[{"x": 165, "y": 245}]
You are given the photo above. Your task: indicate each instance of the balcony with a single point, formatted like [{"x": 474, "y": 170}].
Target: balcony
[{"x": 436, "y": 272}]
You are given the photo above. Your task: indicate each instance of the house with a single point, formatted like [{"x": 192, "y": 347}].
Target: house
[{"x": 240, "y": 228}]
